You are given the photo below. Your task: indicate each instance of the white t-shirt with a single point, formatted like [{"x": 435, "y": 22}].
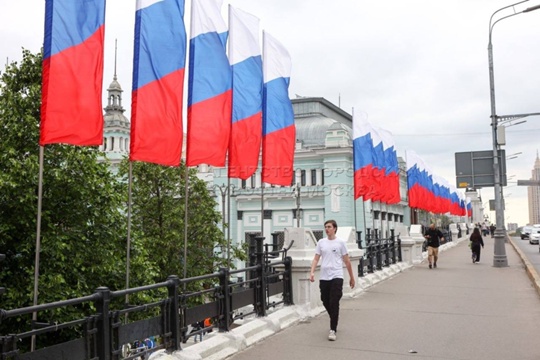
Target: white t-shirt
[{"x": 331, "y": 252}]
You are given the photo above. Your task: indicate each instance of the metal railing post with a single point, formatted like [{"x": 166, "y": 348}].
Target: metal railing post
[
  {"x": 225, "y": 322},
  {"x": 287, "y": 282},
  {"x": 260, "y": 289},
  {"x": 103, "y": 324},
  {"x": 174, "y": 314}
]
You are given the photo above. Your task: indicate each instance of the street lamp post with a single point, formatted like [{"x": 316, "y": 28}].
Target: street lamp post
[
  {"x": 225, "y": 190},
  {"x": 499, "y": 258}
]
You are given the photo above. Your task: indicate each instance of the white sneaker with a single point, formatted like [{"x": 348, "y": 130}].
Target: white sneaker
[{"x": 332, "y": 335}]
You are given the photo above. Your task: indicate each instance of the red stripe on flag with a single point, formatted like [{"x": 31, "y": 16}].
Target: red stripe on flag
[
  {"x": 244, "y": 147},
  {"x": 278, "y": 156},
  {"x": 208, "y": 135},
  {"x": 71, "y": 107},
  {"x": 156, "y": 122}
]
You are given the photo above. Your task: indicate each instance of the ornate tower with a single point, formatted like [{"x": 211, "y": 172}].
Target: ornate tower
[{"x": 117, "y": 126}]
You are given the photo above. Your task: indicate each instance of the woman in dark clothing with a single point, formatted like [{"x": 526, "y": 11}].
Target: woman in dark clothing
[{"x": 476, "y": 242}]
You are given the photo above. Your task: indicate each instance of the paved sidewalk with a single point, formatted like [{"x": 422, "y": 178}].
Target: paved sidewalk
[{"x": 460, "y": 311}]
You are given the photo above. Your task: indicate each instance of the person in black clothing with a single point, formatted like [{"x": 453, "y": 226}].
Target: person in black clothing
[
  {"x": 433, "y": 237},
  {"x": 476, "y": 242},
  {"x": 492, "y": 230}
]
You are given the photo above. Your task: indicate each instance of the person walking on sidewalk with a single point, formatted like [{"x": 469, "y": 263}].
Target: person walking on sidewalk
[
  {"x": 476, "y": 242},
  {"x": 334, "y": 254},
  {"x": 433, "y": 237}
]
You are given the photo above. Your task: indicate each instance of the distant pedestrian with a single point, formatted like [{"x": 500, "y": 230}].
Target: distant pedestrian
[
  {"x": 433, "y": 237},
  {"x": 476, "y": 242},
  {"x": 485, "y": 230},
  {"x": 334, "y": 254},
  {"x": 492, "y": 228}
]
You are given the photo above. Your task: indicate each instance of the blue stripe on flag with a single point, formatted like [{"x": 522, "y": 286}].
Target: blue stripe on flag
[
  {"x": 163, "y": 36},
  {"x": 70, "y": 23}
]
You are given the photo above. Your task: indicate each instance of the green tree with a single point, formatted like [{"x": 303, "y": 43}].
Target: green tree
[
  {"x": 82, "y": 220},
  {"x": 158, "y": 217}
]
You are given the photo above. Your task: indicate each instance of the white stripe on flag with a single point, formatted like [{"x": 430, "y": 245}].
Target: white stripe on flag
[
  {"x": 243, "y": 35},
  {"x": 141, "y": 4},
  {"x": 206, "y": 17},
  {"x": 277, "y": 60}
]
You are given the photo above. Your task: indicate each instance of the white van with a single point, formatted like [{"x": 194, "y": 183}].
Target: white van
[{"x": 526, "y": 231}]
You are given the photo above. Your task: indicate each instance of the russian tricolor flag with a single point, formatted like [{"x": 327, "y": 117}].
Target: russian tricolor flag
[
  {"x": 379, "y": 165},
  {"x": 362, "y": 157},
  {"x": 469, "y": 207},
  {"x": 245, "y": 58},
  {"x": 390, "y": 188},
  {"x": 71, "y": 108},
  {"x": 279, "y": 132},
  {"x": 158, "y": 82},
  {"x": 209, "y": 87}
]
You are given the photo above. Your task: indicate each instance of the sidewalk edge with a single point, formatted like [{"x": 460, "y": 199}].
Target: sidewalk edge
[{"x": 529, "y": 268}]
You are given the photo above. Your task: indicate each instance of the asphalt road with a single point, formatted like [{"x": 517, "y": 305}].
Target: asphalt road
[{"x": 530, "y": 251}]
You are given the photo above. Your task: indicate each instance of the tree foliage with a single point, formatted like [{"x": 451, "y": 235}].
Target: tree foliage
[{"x": 158, "y": 218}]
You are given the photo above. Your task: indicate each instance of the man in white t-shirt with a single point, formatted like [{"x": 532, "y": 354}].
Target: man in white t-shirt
[{"x": 334, "y": 254}]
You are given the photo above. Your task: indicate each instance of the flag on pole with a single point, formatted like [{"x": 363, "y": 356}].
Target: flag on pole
[
  {"x": 379, "y": 165},
  {"x": 71, "y": 108},
  {"x": 362, "y": 157},
  {"x": 245, "y": 58},
  {"x": 158, "y": 82},
  {"x": 390, "y": 183},
  {"x": 209, "y": 86},
  {"x": 279, "y": 132}
]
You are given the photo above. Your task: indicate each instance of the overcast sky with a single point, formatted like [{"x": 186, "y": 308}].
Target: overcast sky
[{"x": 418, "y": 68}]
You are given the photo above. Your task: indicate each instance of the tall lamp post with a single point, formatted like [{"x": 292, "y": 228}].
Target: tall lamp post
[
  {"x": 225, "y": 190},
  {"x": 499, "y": 258}
]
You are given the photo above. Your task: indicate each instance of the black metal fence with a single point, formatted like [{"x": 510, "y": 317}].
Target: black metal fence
[
  {"x": 379, "y": 252},
  {"x": 106, "y": 331}
]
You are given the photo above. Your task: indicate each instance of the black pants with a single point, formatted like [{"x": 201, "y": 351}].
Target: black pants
[
  {"x": 476, "y": 251},
  {"x": 331, "y": 293}
]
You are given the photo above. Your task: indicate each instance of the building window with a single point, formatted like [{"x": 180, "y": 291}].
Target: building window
[
  {"x": 313, "y": 177},
  {"x": 104, "y": 144},
  {"x": 303, "y": 177},
  {"x": 376, "y": 215},
  {"x": 253, "y": 181},
  {"x": 239, "y": 215},
  {"x": 112, "y": 143},
  {"x": 383, "y": 216},
  {"x": 267, "y": 214},
  {"x": 243, "y": 184},
  {"x": 322, "y": 176}
]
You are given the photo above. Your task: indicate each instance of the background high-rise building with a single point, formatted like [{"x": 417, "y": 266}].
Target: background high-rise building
[{"x": 534, "y": 194}]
